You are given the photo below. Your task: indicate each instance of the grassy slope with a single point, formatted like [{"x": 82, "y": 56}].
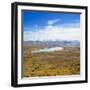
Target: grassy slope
[{"x": 66, "y": 62}]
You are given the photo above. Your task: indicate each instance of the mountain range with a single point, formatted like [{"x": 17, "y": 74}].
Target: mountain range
[{"x": 63, "y": 43}]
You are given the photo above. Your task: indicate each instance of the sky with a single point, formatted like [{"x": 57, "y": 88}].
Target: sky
[{"x": 44, "y": 26}]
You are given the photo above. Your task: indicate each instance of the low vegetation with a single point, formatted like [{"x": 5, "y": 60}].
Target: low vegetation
[{"x": 58, "y": 63}]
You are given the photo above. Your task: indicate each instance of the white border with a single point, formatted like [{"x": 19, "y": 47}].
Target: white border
[{"x": 52, "y": 78}]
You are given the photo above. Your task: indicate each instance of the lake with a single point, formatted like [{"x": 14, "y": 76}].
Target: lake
[{"x": 48, "y": 49}]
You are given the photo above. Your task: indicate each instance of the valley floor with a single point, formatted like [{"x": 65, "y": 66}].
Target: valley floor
[{"x": 57, "y": 63}]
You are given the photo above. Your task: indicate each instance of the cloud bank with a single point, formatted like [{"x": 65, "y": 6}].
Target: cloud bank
[{"x": 53, "y": 33}]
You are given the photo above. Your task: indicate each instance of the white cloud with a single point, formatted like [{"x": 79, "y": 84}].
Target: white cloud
[
  {"x": 54, "y": 33},
  {"x": 51, "y": 22},
  {"x": 51, "y": 32},
  {"x": 49, "y": 26}
]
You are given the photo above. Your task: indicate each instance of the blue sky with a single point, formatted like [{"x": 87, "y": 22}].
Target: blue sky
[{"x": 50, "y": 26}]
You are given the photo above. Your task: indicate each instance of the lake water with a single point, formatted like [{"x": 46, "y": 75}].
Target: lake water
[{"x": 48, "y": 49}]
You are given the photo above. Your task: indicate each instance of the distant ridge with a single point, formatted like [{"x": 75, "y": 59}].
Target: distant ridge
[{"x": 62, "y": 43}]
